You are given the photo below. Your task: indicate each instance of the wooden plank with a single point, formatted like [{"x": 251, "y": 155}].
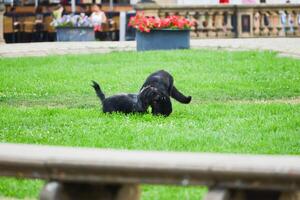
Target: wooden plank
[{"x": 116, "y": 166}]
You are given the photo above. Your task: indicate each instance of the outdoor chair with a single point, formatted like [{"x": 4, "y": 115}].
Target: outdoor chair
[
  {"x": 17, "y": 28},
  {"x": 49, "y": 31},
  {"x": 8, "y": 28},
  {"x": 29, "y": 26}
]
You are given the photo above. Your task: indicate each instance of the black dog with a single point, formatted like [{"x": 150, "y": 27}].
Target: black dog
[
  {"x": 164, "y": 82},
  {"x": 128, "y": 103}
]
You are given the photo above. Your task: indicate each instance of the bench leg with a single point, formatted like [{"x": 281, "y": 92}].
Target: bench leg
[
  {"x": 217, "y": 194},
  {"x": 290, "y": 195},
  {"x": 78, "y": 191},
  {"x": 240, "y": 194}
]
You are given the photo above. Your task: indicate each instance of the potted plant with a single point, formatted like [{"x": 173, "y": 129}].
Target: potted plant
[
  {"x": 172, "y": 32},
  {"x": 74, "y": 28}
]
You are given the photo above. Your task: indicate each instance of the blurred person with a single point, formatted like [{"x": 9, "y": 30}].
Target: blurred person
[
  {"x": 58, "y": 12},
  {"x": 283, "y": 19},
  {"x": 98, "y": 17},
  {"x": 39, "y": 17},
  {"x": 248, "y": 1},
  {"x": 291, "y": 22}
]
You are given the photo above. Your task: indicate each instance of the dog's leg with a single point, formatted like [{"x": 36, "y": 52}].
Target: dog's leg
[{"x": 162, "y": 107}]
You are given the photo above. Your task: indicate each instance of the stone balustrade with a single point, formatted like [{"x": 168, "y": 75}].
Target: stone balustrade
[{"x": 228, "y": 21}]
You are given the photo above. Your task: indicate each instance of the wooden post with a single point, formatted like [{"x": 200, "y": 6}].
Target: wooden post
[
  {"x": 2, "y": 8},
  {"x": 77, "y": 191},
  {"x": 122, "y": 31}
]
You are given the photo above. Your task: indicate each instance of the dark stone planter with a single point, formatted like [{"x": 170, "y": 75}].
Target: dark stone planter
[
  {"x": 75, "y": 34},
  {"x": 163, "y": 40}
]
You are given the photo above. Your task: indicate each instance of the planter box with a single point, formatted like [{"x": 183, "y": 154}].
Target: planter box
[
  {"x": 163, "y": 40},
  {"x": 75, "y": 34}
]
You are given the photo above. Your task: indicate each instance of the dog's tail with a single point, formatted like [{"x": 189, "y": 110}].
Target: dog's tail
[
  {"x": 98, "y": 91},
  {"x": 179, "y": 96}
]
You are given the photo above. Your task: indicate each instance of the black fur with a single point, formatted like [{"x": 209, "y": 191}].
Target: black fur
[
  {"x": 164, "y": 82},
  {"x": 128, "y": 103}
]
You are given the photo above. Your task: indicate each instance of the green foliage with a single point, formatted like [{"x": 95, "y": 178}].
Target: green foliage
[{"x": 49, "y": 100}]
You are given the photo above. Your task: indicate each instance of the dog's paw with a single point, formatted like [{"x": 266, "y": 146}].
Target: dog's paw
[{"x": 189, "y": 99}]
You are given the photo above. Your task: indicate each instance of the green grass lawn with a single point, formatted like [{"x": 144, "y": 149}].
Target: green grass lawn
[{"x": 235, "y": 106}]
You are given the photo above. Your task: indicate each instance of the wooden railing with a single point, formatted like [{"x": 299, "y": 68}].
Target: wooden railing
[
  {"x": 227, "y": 21},
  {"x": 82, "y": 173}
]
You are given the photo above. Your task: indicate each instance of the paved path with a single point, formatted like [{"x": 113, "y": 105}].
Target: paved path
[{"x": 285, "y": 46}]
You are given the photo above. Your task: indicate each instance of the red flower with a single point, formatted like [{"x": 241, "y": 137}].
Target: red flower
[{"x": 146, "y": 24}]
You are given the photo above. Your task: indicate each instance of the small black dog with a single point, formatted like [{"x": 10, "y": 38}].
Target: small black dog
[
  {"x": 164, "y": 82},
  {"x": 128, "y": 103}
]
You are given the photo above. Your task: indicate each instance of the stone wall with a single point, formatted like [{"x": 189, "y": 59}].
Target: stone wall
[
  {"x": 227, "y": 21},
  {"x": 215, "y": 2}
]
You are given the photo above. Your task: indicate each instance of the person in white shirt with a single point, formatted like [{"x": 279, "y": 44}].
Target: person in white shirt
[{"x": 98, "y": 18}]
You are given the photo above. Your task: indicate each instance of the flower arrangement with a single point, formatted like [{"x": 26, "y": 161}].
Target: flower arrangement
[
  {"x": 146, "y": 24},
  {"x": 72, "y": 21}
]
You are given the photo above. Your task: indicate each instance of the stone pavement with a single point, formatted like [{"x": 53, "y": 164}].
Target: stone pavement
[{"x": 285, "y": 46}]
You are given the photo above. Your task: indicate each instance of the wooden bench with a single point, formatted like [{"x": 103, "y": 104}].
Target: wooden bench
[{"x": 85, "y": 173}]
